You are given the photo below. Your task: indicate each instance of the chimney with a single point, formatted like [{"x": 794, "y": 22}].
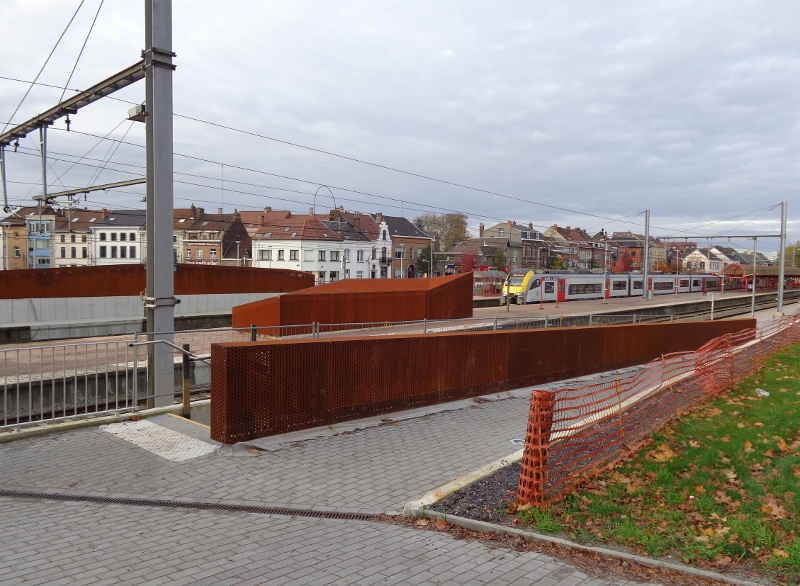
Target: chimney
[
  {"x": 268, "y": 209},
  {"x": 219, "y": 211},
  {"x": 340, "y": 208},
  {"x": 339, "y": 234},
  {"x": 480, "y": 230},
  {"x": 104, "y": 213},
  {"x": 194, "y": 212},
  {"x": 509, "y": 223},
  {"x": 378, "y": 217},
  {"x": 530, "y": 225},
  {"x": 357, "y": 219},
  {"x": 260, "y": 220},
  {"x": 310, "y": 210}
]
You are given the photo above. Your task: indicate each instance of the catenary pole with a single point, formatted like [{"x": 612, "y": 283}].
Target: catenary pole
[
  {"x": 160, "y": 300},
  {"x": 645, "y": 262},
  {"x": 782, "y": 257}
]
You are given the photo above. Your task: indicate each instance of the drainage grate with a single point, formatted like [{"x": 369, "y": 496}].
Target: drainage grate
[{"x": 195, "y": 506}]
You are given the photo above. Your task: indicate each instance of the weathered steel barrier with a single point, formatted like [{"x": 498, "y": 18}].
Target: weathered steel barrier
[{"x": 266, "y": 388}]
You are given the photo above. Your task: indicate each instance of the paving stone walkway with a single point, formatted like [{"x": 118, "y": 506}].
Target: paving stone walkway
[{"x": 375, "y": 470}]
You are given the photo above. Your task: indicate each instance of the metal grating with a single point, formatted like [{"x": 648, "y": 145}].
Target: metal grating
[
  {"x": 195, "y": 506},
  {"x": 267, "y": 388}
]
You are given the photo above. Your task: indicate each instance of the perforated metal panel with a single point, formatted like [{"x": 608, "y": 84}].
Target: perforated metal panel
[{"x": 267, "y": 388}]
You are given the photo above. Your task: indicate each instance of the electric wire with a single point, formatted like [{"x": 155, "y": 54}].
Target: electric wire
[
  {"x": 80, "y": 53},
  {"x": 35, "y": 79}
]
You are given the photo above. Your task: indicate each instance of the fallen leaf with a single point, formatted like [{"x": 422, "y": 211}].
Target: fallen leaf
[
  {"x": 758, "y": 424},
  {"x": 440, "y": 523},
  {"x": 748, "y": 446},
  {"x": 782, "y": 444},
  {"x": 422, "y": 522},
  {"x": 780, "y": 553}
]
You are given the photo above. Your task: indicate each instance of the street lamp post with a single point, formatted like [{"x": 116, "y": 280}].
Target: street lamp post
[
  {"x": 402, "y": 256},
  {"x": 6, "y": 226}
]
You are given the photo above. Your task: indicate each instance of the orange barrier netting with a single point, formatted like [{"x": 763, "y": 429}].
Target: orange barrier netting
[{"x": 573, "y": 430}]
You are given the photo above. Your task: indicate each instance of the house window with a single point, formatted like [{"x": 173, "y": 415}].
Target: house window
[
  {"x": 411, "y": 252},
  {"x": 102, "y": 236},
  {"x": 294, "y": 255},
  {"x": 360, "y": 256},
  {"x": 334, "y": 275},
  {"x": 122, "y": 236},
  {"x": 113, "y": 252},
  {"x": 103, "y": 252},
  {"x": 280, "y": 255},
  {"x": 63, "y": 252},
  {"x": 359, "y": 274},
  {"x": 74, "y": 252},
  {"x": 334, "y": 256},
  {"x": 398, "y": 273},
  {"x": 113, "y": 237},
  {"x": 321, "y": 276},
  {"x": 72, "y": 238},
  {"x": 63, "y": 238},
  {"x": 321, "y": 255},
  {"x": 83, "y": 238},
  {"x": 132, "y": 236},
  {"x": 123, "y": 252},
  {"x": 43, "y": 261},
  {"x": 188, "y": 254},
  {"x": 16, "y": 234},
  {"x": 212, "y": 254},
  {"x": 501, "y": 232},
  {"x": 265, "y": 254},
  {"x": 398, "y": 252},
  {"x": 16, "y": 252},
  {"x": 85, "y": 253},
  {"x": 132, "y": 252},
  {"x": 199, "y": 254}
]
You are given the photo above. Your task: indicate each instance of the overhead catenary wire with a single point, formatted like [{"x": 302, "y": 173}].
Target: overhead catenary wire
[
  {"x": 80, "y": 53},
  {"x": 46, "y": 61}
]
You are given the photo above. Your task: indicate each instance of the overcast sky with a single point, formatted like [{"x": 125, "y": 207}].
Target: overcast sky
[{"x": 577, "y": 113}]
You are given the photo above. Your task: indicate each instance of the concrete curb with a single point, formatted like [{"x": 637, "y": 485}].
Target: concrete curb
[
  {"x": 62, "y": 426},
  {"x": 485, "y": 527},
  {"x": 419, "y": 506}
]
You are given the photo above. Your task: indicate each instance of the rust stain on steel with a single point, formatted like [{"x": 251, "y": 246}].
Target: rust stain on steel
[
  {"x": 130, "y": 280},
  {"x": 363, "y": 301},
  {"x": 267, "y": 388}
]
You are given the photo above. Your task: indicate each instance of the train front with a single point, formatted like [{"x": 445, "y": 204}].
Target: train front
[{"x": 515, "y": 286}]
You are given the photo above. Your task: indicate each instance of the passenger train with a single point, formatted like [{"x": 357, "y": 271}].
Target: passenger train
[{"x": 527, "y": 286}]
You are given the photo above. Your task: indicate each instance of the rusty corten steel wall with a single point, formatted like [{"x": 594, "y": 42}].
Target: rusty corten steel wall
[
  {"x": 267, "y": 388},
  {"x": 363, "y": 301},
  {"x": 122, "y": 280}
]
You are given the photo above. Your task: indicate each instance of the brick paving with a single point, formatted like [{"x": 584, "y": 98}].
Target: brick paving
[
  {"x": 47, "y": 542},
  {"x": 377, "y": 469}
]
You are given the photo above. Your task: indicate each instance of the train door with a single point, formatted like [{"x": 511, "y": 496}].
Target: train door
[{"x": 562, "y": 290}]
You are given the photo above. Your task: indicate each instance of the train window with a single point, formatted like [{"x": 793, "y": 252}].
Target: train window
[
  {"x": 549, "y": 286},
  {"x": 637, "y": 284},
  {"x": 696, "y": 283},
  {"x": 515, "y": 279},
  {"x": 712, "y": 284},
  {"x": 535, "y": 284},
  {"x": 619, "y": 285},
  {"x": 663, "y": 286},
  {"x": 684, "y": 282},
  {"x": 582, "y": 288}
]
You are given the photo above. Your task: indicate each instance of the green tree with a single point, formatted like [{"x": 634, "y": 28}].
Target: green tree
[
  {"x": 499, "y": 260},
  {"x": 792, "y": 254},
  {"x": 424, "y": 261},
  {"x": 451, "y": 227}
]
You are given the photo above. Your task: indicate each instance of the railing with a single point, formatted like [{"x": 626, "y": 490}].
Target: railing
[{"x": 51, "y": 382}]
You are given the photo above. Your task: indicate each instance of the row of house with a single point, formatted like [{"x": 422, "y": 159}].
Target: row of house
[
  {"x": 511, "y": 245},
  {"x": 44, "y": 237},
  {"x": 332, "y": 246},
  {"x": 335, "y": 245}
]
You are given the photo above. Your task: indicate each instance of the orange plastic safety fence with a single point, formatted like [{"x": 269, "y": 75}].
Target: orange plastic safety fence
[
  {"x": 537, "y": 442},
  {"x": 574, "y": 430}
]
